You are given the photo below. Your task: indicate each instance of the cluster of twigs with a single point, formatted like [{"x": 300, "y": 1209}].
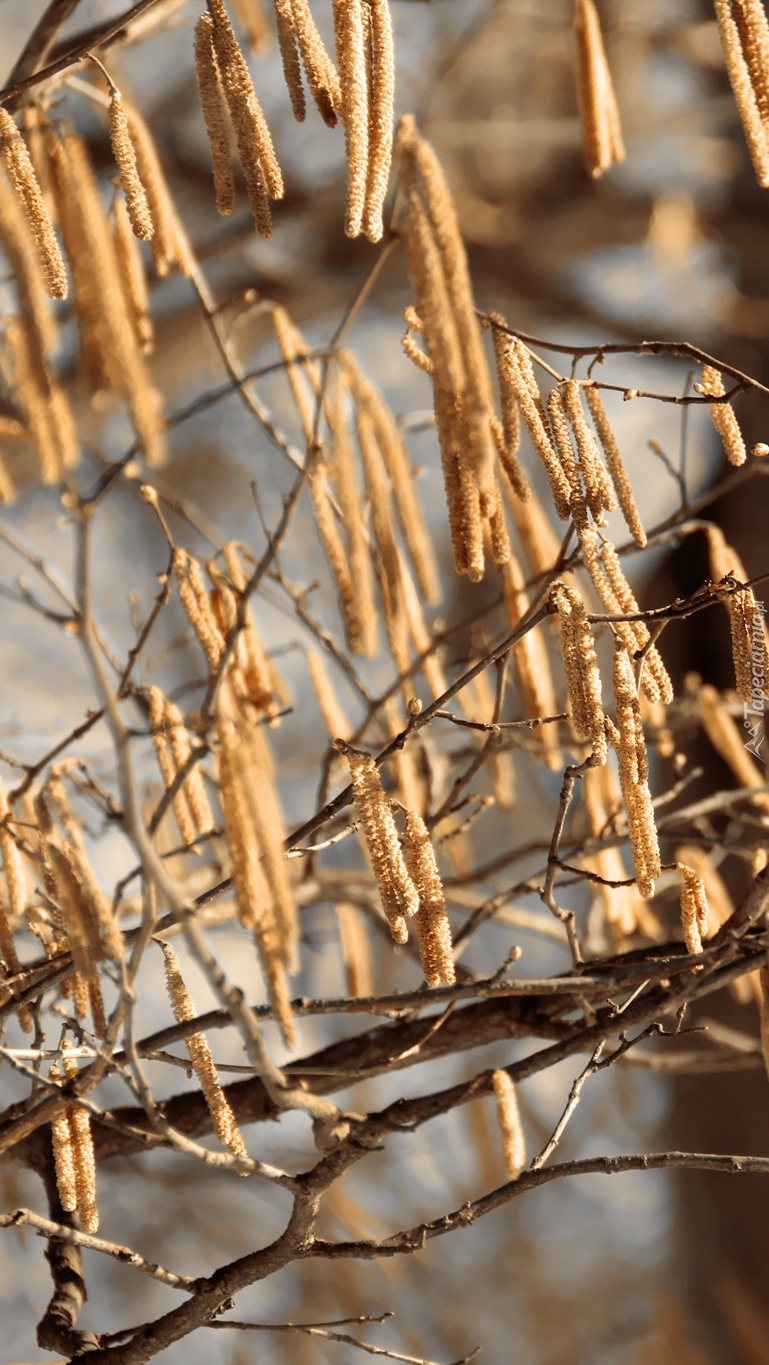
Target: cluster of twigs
[{"x": 412, "y": 774}]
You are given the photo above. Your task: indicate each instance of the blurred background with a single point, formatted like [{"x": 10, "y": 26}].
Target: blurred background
[{"x": 670, "y": 245}]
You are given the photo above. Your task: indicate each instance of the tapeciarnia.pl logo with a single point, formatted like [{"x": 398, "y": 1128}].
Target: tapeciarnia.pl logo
[{"x": 757, "y": 704}]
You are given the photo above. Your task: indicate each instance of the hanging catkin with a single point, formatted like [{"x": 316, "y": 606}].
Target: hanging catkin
[
  {"x": 353, "y": 84},
  {"x": 125, "y": 155},
  {"x": 213, "y": 105},
  {"x": 432, "y": 923},
  {"x": 598, "y": 488},
  {"x": 224, "y": 1121},
  {"x": 633, "y": 774},
  {"x": 728, "y": 741},
  {"x": 615, "y": 465},
  {"x": 743, "y": 30},
  {"x": 723, "y": 414},
  {"x": 602, "y": 132},
  {"x": 511, "y": 1128},
  {"x": 694, "y": 908},
  {"x": 73, "y": 1151},
  {"x": 24, "y": 261},
  {"x": 398, "y": 893},
  {"x": 133, "y": 278},
  {"x": 322, "y": 75},
  {"x": 24, "y": 181},
  {"x": 264, "y": 179},
  {"x": 381, "y": 115},
  {"x": 581, "y": 667},
  {"x": 461, "y": 380}
]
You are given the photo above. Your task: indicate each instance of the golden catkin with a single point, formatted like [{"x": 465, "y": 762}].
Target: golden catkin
[
  {"x": 461, "y": 379},
  {"x": 197, "y": 606},
  {"x": 133, "y": 278},
  {"x": 387, "y": 556},
  {"x": 290, "y": 57},
  {"x": 399, "y": 896},
  {"x": 603, "y": 565},
  {"x": 16, "y": 890},
  {"x": 511, "y": 412},
  {"x": 264, "y": 179},
  {"x": 253, "y": 827},
  {"x": 598, "y": 488},
  {"x": 353, "y": 85},
  {"x": 22, "y": 176},
  {"x": 531, "y": 412},
  {"x": 101, "y": 928},
  {"x": 63, "y": 1158},
  {"x": 341, "y": 465},
  {"x": 694, "y": 908},
  {"x": 719, "y": 902},
  {"x": 214, "y": 115},
  {"x": 724, "y": 418},
  {"x": 304, "y": 378},
  {"x": 581, "y": 666},
  {"x": 356, "y": 950},
  {"x": 532, "y": 670},
  {"x": 381, "y": 116},
  {"x": 360, "y": 622},
  {"x": 170, "y": 244},
  {"x": 96, "y": 272},
  {"x": 541, "y": 544},
  {"x": 633, "y": 773},
  {"x": 73, "y": 1152},
  {"x": 336, "y": 722},
  {"x": 432, "y": 922},
  {"x": 748, "y": 76},
  {"x": 748, "y": 646},
  {"x": 172, "y": 743},
  {"x": 257, "y": 674},
  {"x": 562, "y": 438},
  {"x": 615, "y": 466},
  {"x": 510, "y": 1126},
  {"x": 125, "y": 157},
  {"x": 602, "y": 132},
  {"x": 398, "y": 465},
  {"x": 322, "y": 75},
  {"x": 24, "y": 261},
  {"x": 42, "y": 401},
  {"x": 728, "y": 741},
  {"x": 224, "y": 1122}
]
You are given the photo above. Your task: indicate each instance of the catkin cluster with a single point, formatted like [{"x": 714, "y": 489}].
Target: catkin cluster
[
  {"x": 744, "y": 33},
  {"x": 181, "y": 775},
  {"x": 73, "y": 1151},
  {"x": 630, "y": 744},
  {"x": 229, "y": 102},
  {"x": 581, "y": 666},
  {"x": 366, "y": 64},
  {"x": 462, "y": 391},
  {"x": 255, "y": 832},
  {"x": 399, "y": 895}
]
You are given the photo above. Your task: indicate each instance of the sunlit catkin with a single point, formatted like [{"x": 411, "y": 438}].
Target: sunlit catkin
[
  {"x": 353, "y": 83},
  {"x": 398, "y": 893},
  {"x": 615, "y": 465},
  {"x": 61, "y": 1143},
  {"x": 581, "y": 667},
  {"x": 633, "y": 774},
  {"x": 192, "y": 808},
  {"x": 598, "y": 488},
  {"x": 214, "y": 115},
  {"x": 73, "y": 1152},
  {"x": 170, "y": 244},
  {"x": 26, "y": 268},
  {"x": 255, "y": 148},
  {"x": 196, "y": 602},
  {"x": 224, "y": 1122},
  {"x": 694, "y": 908},
  {"x": 133, "y": 278},
  {"x": 322, "y": 75},
  {"x": 728, "y": 740},
  {"x": 24, "y": 181},
  {"x": 381, "y": 113},
  {"x": 358, "y": 615},
  {"x": 511, "y": 413},
  {"x": 563, "y": 444},
  {"x": 510, "y": 1126},
  {"x": 531, "y": 413},
  {"x": 432, "y": 923},
  {"x": 125, "y": 156},
  {"x": 336, "y": 722},
  {"x": 602, "y": 132},
  {"x": 740, "y": 25},
  {"x": 724, "y": 418},
  {"x": 289, "y": 55}
]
